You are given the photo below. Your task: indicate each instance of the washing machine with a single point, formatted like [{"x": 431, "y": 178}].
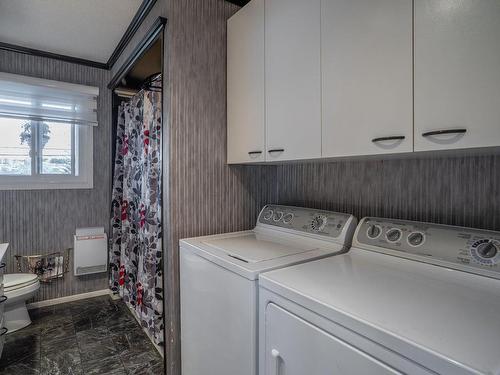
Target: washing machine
[
  {"x": 408, "y": 298},
  {"x": 219, "y": 282}
]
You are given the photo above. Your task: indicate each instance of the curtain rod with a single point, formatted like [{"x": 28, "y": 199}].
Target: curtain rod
[{"x": 125, "y": 93}]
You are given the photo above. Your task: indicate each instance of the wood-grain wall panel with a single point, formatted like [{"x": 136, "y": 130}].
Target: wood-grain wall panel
[
  {"x": 205, "y": 196},
  {"x": 461, "y": 191},
  {"x": 38, "y": 221}
]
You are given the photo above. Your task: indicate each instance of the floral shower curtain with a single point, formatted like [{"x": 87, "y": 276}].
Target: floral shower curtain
[{"x": 136, "y": 243}]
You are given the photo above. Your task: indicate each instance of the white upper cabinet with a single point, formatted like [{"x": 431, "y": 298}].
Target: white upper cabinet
[
  {"x": 367, "y": 77},
  {"x": 457, "y": 74},
  {"x": 245, "y": 85},
  {"x": 293, "y": 79}
]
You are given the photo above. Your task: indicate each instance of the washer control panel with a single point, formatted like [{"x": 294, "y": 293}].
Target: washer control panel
[
  {"x": 324, "y": 223},
  {"x": 468, "y": 249}
]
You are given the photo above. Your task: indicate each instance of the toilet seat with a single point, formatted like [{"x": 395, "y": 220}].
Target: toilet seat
[
  {"x": 18, "y": 288},
  {"x": 15, "y": 281}
]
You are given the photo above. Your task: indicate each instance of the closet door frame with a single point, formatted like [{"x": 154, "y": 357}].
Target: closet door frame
[{"x": 156, "y": 32}]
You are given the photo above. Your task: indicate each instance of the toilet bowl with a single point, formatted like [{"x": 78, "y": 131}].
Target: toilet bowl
[{"x": 18, "y": 288}]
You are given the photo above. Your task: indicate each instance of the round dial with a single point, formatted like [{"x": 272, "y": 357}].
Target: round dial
[
  {"x": 277, "y": 216},
  {"x": 268, "y": 214},
  {"x": 486, "y": 252},
  {"x": 393, "y": 235},
  {"x": 416, "y": 238},
  {"x": 373, "y": 231},
  {"x": 318, "y": 223},
  {"x": 287, "y": 219}
]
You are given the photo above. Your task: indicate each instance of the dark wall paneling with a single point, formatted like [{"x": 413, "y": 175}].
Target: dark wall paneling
[
  {"x": 38, "y": 221},
  {"x": 461, "y": 191},
  {"x": 205, "y": 195}
]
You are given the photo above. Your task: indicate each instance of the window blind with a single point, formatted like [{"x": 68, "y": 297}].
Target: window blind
[{"x": 42, "y": 99}]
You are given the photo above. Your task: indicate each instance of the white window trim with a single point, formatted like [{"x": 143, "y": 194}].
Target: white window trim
[{"x": 84, "y": 180}]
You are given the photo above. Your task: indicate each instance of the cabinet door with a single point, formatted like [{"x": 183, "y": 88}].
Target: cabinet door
[
  {"x": 245, "y": 85},
  {"x": 457, "y": 74},
  {"x": 367, "y": 77},
  {"x": 295, "y": 347},
  {"x": 293, "y": 79}
]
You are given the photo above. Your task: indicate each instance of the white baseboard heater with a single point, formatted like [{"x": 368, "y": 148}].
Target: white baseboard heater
[{"x": 90, "y": 251}]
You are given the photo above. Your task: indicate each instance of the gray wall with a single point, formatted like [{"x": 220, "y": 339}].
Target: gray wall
[
  {"x": 39, "y": 221},
  {"x": 450, "y": 190},
  {"x": 205, "y": 195}
]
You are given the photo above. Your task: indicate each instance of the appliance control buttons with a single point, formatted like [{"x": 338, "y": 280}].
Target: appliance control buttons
[
  {"x": 486, "y": 251},
  {"x": 416, "y": 239},
  {"x": 287, "y": 219},
  {"x": 373, "y": 231},
  {"x": 277, "y": 216},
  {"x": 268, "y": 214},
  {"x": 393, "y": 235},
  {"x": 318, "y": 223}
]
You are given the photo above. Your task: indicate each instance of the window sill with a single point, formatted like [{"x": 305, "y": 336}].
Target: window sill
[{"x": 27, "y": 183}]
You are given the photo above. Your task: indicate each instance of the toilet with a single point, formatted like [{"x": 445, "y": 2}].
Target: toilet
[{"x": 18, "y": 288}]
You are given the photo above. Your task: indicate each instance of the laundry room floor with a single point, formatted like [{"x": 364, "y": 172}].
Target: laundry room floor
[{"x": 91, "y": 336}]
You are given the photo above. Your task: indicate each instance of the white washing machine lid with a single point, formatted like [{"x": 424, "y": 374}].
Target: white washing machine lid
[
  {"x": 13, "y": 281},
  {"x": 443, "y": 319},
  {"x": 253, "y": 248},
  {"x": 249, "y": 253}
]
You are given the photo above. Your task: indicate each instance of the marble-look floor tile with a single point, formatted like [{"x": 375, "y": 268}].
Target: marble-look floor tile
[
  {"x": 96, "y": 344},
  {"x": 29, "y": 365},
  {"x": 61, "y": 358},
  {"x": 56, "y": 331},
  {"x": 109, "y": 366},
  {"x": 93, "y": 336},
  {"x": 19, "y": 349},
  {"x": 21, "y": 369},
  {"x": 82, "y": 323},
  {"x": 142, "y": 363}
]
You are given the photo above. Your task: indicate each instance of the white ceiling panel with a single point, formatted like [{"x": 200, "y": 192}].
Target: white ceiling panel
[{"x": 88, "y": 29}]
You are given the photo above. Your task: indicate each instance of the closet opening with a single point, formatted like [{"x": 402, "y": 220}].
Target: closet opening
[{"x": 136, "y": 254}]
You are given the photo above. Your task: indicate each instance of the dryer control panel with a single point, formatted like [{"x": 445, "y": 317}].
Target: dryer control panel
[
  {"x": 319, "y": 222},
  {"x": 472, "y": 250}
]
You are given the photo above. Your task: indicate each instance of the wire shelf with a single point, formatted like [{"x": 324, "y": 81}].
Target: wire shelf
[{"x": 48, "y": 267}]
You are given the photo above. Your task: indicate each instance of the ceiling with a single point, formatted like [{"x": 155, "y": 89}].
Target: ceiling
[{"x": 86, "y": 29}]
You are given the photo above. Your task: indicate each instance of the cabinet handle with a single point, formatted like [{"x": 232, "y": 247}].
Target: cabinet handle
[
  {"x": 5, "y": 330},
  {"x": 254, "y": 152},
  {"x": 2, "y": 265},
  {"x": 276, "y": 359},
  {"x": 276, "y": 150},
  {"x": 446, "y": 131},
  {"x": 391, "y": 138},
  {"x": 3, "y": 299}
]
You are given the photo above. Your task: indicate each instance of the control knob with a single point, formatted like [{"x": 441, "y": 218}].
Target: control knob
[
  {"x": 416, "y": 239},
  {"x": 268, "y": 214},
  {"x": 287, "y": 219},
  {"x": 318, "y": 223},
  {"x": 393, "y": 235},
  {"x": 373, "y": 231},
  {"x": 487, "y": 250},
  {"x": 277, "y": 216}
]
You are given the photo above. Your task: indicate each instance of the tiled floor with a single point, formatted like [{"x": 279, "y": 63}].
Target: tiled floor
[{"x": 92, "y": 336}]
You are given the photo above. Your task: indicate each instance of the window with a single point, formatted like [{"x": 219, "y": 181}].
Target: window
[{"x": 46, "y": 129}]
